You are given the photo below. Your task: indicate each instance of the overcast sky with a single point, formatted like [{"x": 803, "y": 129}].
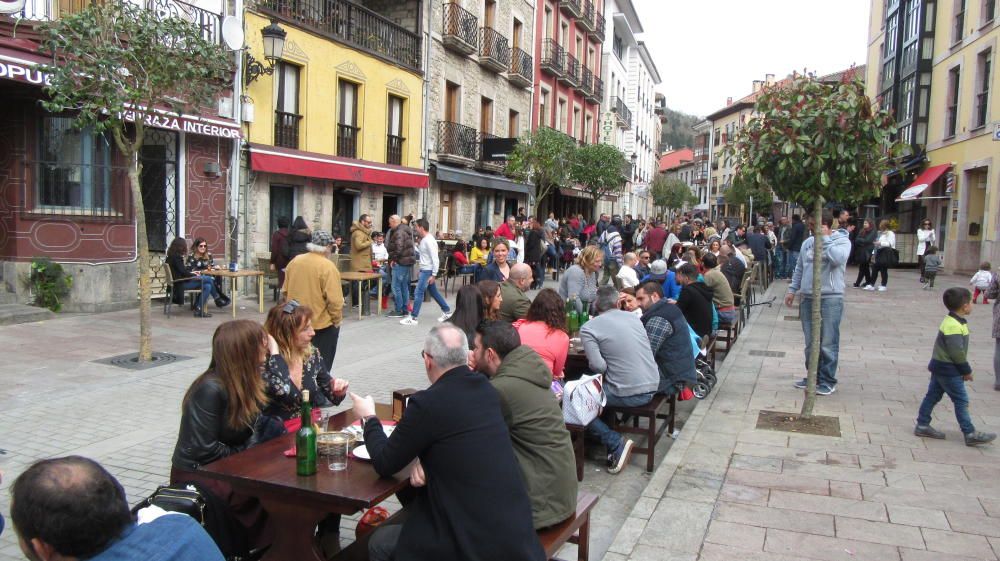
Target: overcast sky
[{"x": 708, "y": 50}]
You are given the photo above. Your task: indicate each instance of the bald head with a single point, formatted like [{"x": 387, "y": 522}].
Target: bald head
[
  {"x": 394, "y": 221},
  {"x": 520, "y": 274}
]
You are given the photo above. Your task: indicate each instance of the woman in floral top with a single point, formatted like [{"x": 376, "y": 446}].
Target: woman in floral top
[
  {"x": 295, "y": 365},
  {"x": 200, "y": 259}
]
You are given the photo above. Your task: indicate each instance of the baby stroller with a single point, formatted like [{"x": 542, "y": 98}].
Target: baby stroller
[{"x": 706, "y": 374}]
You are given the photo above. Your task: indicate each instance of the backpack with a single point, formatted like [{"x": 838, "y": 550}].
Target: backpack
[{"x": 605, "y": 244}]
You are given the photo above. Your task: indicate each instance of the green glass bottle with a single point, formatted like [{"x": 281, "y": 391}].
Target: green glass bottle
[
  {"x": 572, "y": 316},
  {"x": 584, "y": 313},
  {"x": 305, "y": 440}
]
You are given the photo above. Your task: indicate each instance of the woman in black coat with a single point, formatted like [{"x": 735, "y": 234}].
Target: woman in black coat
[
  {"x": 864, "y": 244},
  {"x": 298, "y": 238}
]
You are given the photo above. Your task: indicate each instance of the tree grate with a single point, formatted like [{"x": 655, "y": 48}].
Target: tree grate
[
  {"x": 776, "y": 354},
  {"x": 130, "y": 361}
]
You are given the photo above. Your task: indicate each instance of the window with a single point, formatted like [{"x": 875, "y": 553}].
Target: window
[
  {"x": 911, "y": 25},
  {"x": 347, "y": 126},
  {"x": 588, "y": 128},
  {"x": 452, "y": 101},
  {"x": 286, "y": 105},
  {"x": 486, "y": 115},
  {"x": 543, "y": 109},
  {"x": 516, "y": 35},
  {"x": 591, "y": 61},
  {"x": 958, "y": 22},
  {"x": 489, "y": 13},
  {"x": 716, "y": 143},
  {"x": 562, "y": 124},
  {"x": 74, "y": 166},
  {"x": 394, "y": 135},
  {"x": 549, "y": 30},
  {"x": 951, "y": 112},
  {"x": 891, "y": 30},
  {"x": 577, "y": 124},
  {"x": 513, "y": 124},
  {"x": 984, "y": 64},
  {"x": 618, "y": 47},
  {"x": 906, "y": 99},
  {"x": 579, "y": 50},
  {"x": 989, "y": 11}
]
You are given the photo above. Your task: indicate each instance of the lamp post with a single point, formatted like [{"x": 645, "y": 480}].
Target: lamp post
[{"x": 274, "y": 47}]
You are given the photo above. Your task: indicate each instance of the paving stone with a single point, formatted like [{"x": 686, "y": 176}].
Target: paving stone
[
  {"x": 958, "y": 544},
  {"x": 788, "y": 482},
  {"x": 837, "y": 458},
  {"x": 916, "y": 516},
  {"x": 719, "y": 552},
  {"x": 828, "y": 505},
  {"x": 846, "y": 490},
  {"x": 756, "y": 463},
  {"x": 826, "y": 548},
  {"x": 690, "y": 488},
  {"x": 769, "y": 517},
  {"x": 628, "y": 535},
  {"x": 737, "y": 535},
  {"x": 910, "y": 497},
  {"x": 923, "y": 555},
  {"x": 678, "y": 526},
  {"x": 834, "y": 472},
  {"x": 649, "y": 553},
  {"x": 743, "y": 494},
  {"x": 903, "y": 465},
  {"x": 974, "y": 524},
  {"x": 879, "y": 532}
]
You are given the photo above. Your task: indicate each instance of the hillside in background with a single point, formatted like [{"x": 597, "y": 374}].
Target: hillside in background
[{"x": 677, "y": 131}]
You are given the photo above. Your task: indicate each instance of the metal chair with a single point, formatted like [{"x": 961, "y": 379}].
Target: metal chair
[{"x": 169, "y": 301}]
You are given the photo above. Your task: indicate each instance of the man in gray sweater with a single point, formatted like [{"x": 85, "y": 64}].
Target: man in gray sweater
[{"x": 617, "y": 346}]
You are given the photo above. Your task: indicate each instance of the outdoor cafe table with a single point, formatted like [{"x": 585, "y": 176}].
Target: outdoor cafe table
[
  {"x": 576, "y": 361},
  {"x": 295, "y": 505},
  {"x": 364, "y": 300},
  {"x": 234, "y": 277}
]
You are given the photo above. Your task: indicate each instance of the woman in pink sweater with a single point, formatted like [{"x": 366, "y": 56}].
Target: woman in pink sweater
[{"x": 544, "y": 330}]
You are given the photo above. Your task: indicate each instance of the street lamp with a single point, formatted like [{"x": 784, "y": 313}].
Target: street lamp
[
  {"x": 634, "y": 158},
  {"x": 274, "y": 47}
]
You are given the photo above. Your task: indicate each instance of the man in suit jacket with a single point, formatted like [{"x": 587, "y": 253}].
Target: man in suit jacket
[{"x": 471, "y": 502}]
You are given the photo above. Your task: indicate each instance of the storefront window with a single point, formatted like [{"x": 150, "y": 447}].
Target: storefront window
[{"x": 73, "y": 168}]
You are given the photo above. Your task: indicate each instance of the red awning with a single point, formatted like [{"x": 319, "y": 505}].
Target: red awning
[
  {"x": 310, "y": 164},
  {"x": 922, "y": 182}
]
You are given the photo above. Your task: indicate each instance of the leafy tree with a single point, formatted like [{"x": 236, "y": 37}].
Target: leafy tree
[
  {"x": 117, "y": 57},
  {"x": 812, "y": 142},
  {"x": 601, "y": 169},
  {"x": 745, "y": 191},
  {"x": 542, "y": 158},
  {"x": 671, "y": 194}
]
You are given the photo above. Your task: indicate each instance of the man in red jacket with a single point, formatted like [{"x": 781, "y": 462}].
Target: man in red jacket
[
  {"x": 507, "y": 229},
  {"x": 655, "y": 239}
]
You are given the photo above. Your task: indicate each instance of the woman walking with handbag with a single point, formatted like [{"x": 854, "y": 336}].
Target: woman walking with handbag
[
  {"x": 864, "y": 246},
  {"x": 925, "y": 237},
  {"x": 883, "y": 257}
]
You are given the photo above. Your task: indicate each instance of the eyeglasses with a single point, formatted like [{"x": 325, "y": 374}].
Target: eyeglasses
[
  {"x": 290, "y": 306},
  {"x": 425, "y": 354},
  {"x": 202, "y": 245}
]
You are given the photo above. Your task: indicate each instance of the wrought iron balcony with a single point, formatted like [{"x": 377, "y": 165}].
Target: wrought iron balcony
[
  {"x": 597, "y": 91},
  {"x": 460, "y": 29},
  {"x": 347, "y": 141},
  {"x": 521, "y": 70},
  {"x": 494, "y": 50},
  {"x": 586, "y": 82},
  {"x": 489, "y": 165},
  {"x": 394, "y": 149},
  {"x": 457, "y": 143},
  {"x": 572, "y": 8},
  {"x": 597, "y": 34},
  {"x": 624, "y": 115},
  {"x": 352, "y": 25},
  {"x": 210, "y": 23},
  {"x": 587, "y": 20},
  {"x": 571, "y": 76},
  {"x": 286, "y": 129},
  {"x": 553, "y": 57}
]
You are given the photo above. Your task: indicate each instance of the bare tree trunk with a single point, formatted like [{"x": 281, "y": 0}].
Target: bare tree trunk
[
  {"x": 131, "y": 151},
  {"x": 817, "y": 300}
]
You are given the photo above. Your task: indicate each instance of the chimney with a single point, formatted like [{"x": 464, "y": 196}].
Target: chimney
[
  {"x": 729, "y": 101},
  {"x": 756, "y": 85},
  {"x": 769, "y": 79}
]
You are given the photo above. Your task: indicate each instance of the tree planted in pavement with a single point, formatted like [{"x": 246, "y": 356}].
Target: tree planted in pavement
[
  {"x": 813, "y": 142},
  {"x": 601, "y": 170},
  {"x": 671, "y": 194},
  {"x": 113, "y": 64},
  {"x": 542, "y": 158}
]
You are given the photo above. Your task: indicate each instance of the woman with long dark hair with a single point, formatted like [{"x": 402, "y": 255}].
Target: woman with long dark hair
[
  {"x": 201, "y": 259},
  {"x": 469, "y": 311},
  {"x": 864, "y": 244},
  {"x": 298, "y": 237},
  {"x": 186, "y": 279},
  {"x": 490, "y": 291},
  {"x": 544, "y": 330},
  {"x": 499, "y": 269}
]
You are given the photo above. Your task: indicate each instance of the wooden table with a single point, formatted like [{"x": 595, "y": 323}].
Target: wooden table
[
  {"x": 576, "y": 362},
  {"x": 364, "y": 300},
  {"x": 234, "y": 277},
  {"x": 296, "y": 504}
]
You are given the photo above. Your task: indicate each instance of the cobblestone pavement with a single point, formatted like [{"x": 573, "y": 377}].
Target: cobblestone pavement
[
  {"x": 728, "y": 491},
  {"x": 54, "y": 400}
]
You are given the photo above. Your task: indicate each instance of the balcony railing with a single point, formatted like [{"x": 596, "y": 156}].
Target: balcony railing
[
  {"x": 394, "y": 149},
  {"x": 286, "y": 129},
  {"x": 460, "y": 29},
  {"x": 597, "y": 34},
  {"x": 457, "y": 140},
  {"x": 495, "y": 165},
  {"x": 521, "y": 69},
  {"x": 586, "y": 82},
  {"x": 75, "y": 189},
  {"x": 210, "y": 23},
  {"x": 353, "y": 25},
  {"x": 572, "y": 72},
  {"x": 622, "y": 111},
  {"x": 494, "y": 50},
  {"x": 587, "y": 20},
  {"x": 597, "y": 93},
  {"x": 553, "y": 57},
  {"x": 347, "y": 141},
  {"x": 572, "y": 8}
]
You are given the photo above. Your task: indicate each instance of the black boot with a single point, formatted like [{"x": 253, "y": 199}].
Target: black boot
[
  {"x": 199, "y": 313},
  {"x": 222, "y": 301}
]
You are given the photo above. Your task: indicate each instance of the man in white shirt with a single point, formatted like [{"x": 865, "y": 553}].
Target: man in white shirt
[
  {"x": 429, "y": 265},
  {"x": 379, "y": 251},
  {"x": 627, "y": 274}
]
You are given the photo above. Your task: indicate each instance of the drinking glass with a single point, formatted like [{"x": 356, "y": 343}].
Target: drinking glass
[{"x": 335, "y": 446}]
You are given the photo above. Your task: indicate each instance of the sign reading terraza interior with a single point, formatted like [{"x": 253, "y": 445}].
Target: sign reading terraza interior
[{"x": 182, "y": 123}]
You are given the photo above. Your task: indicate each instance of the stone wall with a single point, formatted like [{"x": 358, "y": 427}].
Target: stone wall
[{"x": 403, "y": 13}]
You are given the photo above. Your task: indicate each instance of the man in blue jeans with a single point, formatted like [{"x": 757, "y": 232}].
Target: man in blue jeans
[
  {"x": 402, "y": 256},
  {"x": 836, "y": 250},
  {"x": 429, "y": 265},
  {"x": 617, "y": 346}
]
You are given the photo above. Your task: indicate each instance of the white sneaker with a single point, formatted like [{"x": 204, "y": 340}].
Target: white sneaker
[
  {"x": 882, "y": 289},
  {"x": 445, "y": 317},
  {"x": 408, "y": 320},
  {"x": 870, "y": 287}
]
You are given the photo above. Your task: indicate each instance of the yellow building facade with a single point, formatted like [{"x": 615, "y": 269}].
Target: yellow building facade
[{"x": 336, "y": 129}]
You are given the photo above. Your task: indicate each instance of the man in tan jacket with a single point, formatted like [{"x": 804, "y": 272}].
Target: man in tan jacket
[
  {"x": 361, "y": 244},
  {"x": 313, "y": 280}
]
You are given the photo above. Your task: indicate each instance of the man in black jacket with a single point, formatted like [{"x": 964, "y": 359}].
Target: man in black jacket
[
  {"x": 798, "y": 236},
  {"x": 533, "y": 252},
  {"x": 695, "y": 301},
  {"x": 402, "y": 256},
  {"x": 759, "y": 244},
  {"x": 471, "y": 503}
]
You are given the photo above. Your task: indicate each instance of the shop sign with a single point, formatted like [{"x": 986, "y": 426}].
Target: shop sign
[
  {"x": 27, "y": 73},
  {"x": 182, "y": 123},
  {"x": 608, "y": 128}
]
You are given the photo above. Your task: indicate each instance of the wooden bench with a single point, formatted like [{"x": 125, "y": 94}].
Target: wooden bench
[
  {"x": 576, "y": 435},
  {"x": 575, "y": 529},
  {"x": 650, "y": 412}
]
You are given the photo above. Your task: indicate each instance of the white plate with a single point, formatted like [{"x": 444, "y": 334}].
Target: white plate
[{"x": 361, "y": 452}]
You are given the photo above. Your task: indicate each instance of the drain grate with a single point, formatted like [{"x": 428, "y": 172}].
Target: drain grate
[
  {"x": 130, "y": 361},
  {"x": 792, "y": 318},
  {"x": 776, "y": 354}
]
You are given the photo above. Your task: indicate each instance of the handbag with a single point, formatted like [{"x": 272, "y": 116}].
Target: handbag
[
  {"x": 185, "y": 499},
  {"x": 886, "y": 257},
  {"x": 584, "y": 399}
]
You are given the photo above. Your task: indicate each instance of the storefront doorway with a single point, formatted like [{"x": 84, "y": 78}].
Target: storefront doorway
[
  {"x": 158, "y": 183},
  {"x": 390, "y": 206}
]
